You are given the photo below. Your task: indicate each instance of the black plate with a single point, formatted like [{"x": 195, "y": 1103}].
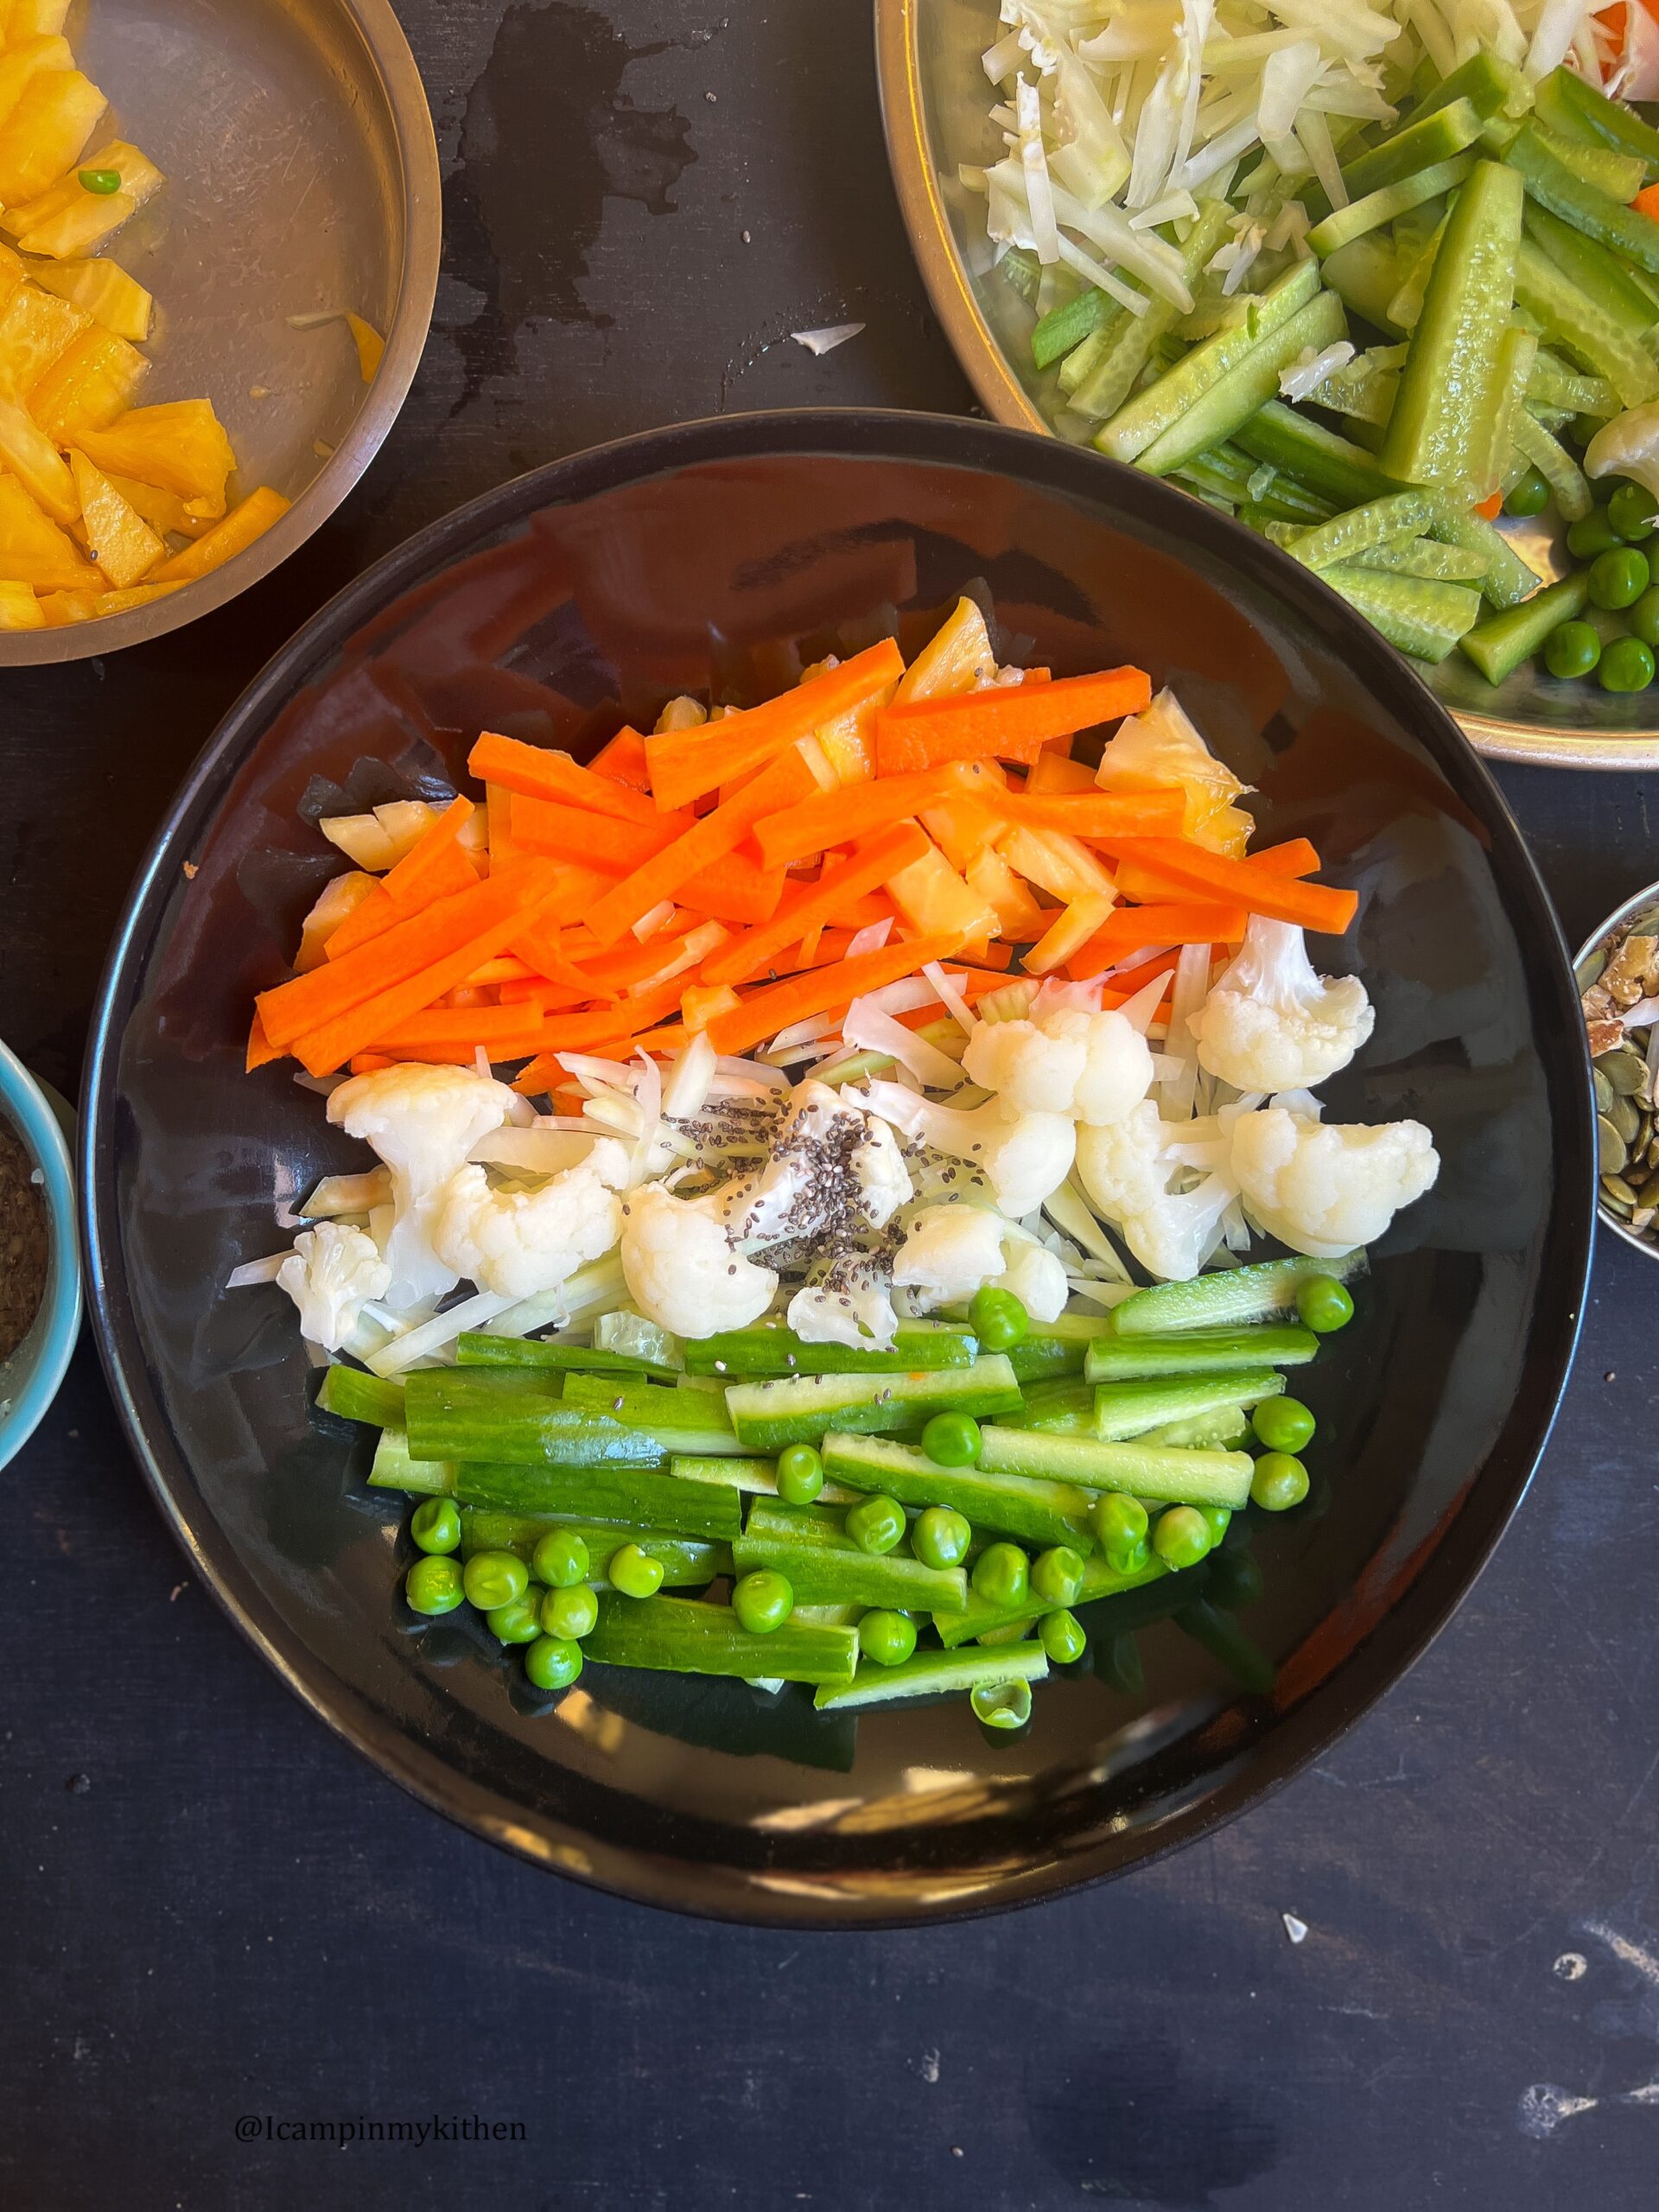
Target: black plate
[{"x": 593, "y": 590}]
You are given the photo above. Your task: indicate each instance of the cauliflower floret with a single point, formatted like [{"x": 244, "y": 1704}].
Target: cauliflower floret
[
  {"x": 853, "y": 1304},
  {"x": 423, "y": 1122},
  {"x": 330, "y": 1275},
  {"x": 1037, "y": 1278},
  {"x": 950, "y": 1252},
  {"x": 1126, "y": 1169},
  {"x": 1271, "y": 1024},
  {"x": 1628, "y": 446},
  {"x": 884, "y": 1182},
  {"x": 1024, "y": 1157},
  {"x": 1327, "y": 1188},
  {"x": 831, "y": 1170},
  {"x": 518, "y": 1243},
  {"x": 682, "y": 1270},
  {"x": 1093, "y": 1066},
  {"x": 1162, "y": 747}
]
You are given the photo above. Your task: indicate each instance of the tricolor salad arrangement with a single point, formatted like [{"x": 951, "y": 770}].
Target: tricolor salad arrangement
[
  {"x": 1368, "y": 275},
  {"x": 891, "y": 1210}
]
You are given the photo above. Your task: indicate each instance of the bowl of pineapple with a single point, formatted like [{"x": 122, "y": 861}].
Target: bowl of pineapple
[{"x": 219, "y": 227}]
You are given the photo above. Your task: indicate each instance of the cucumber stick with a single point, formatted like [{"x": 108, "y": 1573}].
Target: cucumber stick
[
  {"x": 680, "y": 1421},
  {"x": 1553, "y": 185},
  {"x": 639, "y": 1495},
  {"x": 824, "y": 1567},
  {"x": 1416, "y": 615},
  {"x": 1565, "y": 99},
  {"x": 1041, "y": 1512},
  {"x": 353, "y": 1394},
  {"x": 687, "y": 1561},
  {"x": 932, "y": 1673},
  {"x": 1344, "y": 224},
  {"x": 1231, "y": 402},
  {"x": 684, "y": 1635},
  {"x": 1179, "y": 1478},
  {"x": 1571, "y": 320},
  {"x": 766, "y": 1416},
  {"x": 394, "y": 1469},
  {"x": 510, "y": 1414},
  {"x": 1198, "y": 1352},
  {"x": 1132, "y": 339},
  {"x": 1123, "y": 1410},
  {"x": 980, "y": 1617},
  {"x": 1265, "y": 1292},
  {"x": 1598, "y": 274},
  {"x": 774, "y": 1350},
  {"x": 484, "y": 1350},
  {"x": 753, "y": 1478},
  {"x": 1498, "y": 645},
  {"x": 1425, "y": 143},
  {"x": 1050, "y": 1349},
  {"x": 1327, "y": 463}
]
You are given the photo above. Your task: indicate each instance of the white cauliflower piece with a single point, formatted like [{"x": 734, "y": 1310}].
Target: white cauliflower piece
[
  {"x": 1126, "y": 1169},
  {"x": 1093, "y": 1066},
  {"x": 331, "y": 1273},
  {"x": 1024, "y": 1157},
  {"x": 518, "y": 1243},
  {"x": 884, "y": 1182},
  {"x": 1325, "y": 1188},
  {"x": 950, "y": 1252},
  {"x": 423, "y": 1122},
  {"x": 682, "y": 1270},
  {"x": 854, "y": 1306},
  {"x": 1037, "y": 1278},
  {"x": 1270, "y": 1023}
]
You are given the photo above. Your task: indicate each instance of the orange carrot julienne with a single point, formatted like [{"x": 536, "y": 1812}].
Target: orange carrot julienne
[
  {"x": 1490, "y": 509},
  {"x": 1129, "y": 928},
  {"x": 1137, "y": 878},
  {"x": 622, "y": 759},
  {"x": 446, "y": 872},
  {"x": 855, "y": 811},
  {"x": 684, "y": 764},
  {"x": 537, "y": 771},
  {"x": 1128, "y": 981},
  {"x": 574, "y": 833},
  {"x": 768, "y": 1011},
  {"x": 1093, "y": 814},
  {"x": 1020, "y": 718},
  {"x": 884, "y": 855},
  {"x": 260, "y": 1048},
  {"x": 1204, "y": 874},
  {"x": 497, "y": 1027}
]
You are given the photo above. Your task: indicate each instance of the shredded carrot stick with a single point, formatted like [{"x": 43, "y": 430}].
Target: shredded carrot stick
[
  {"x": 260, "y": 1048},
  {"x": 1204, "y": 874},
  {"x": 768, "y": 1011},
  {"x": 448, "y": 872},
  {"x": 622, "y": 759},
  {"x": 884, "y": 855},
  {"x": 1490, "y": 509},
  {"x": 499, "y": 804},
  {"x": 1294, "y": 857},
  {"x": 1006, "y": 722},
  {"x": 1093, "y": 814},
  {"x": 1129, "y": 928},
  {"x": 684, "y": 764},
  {"x": 496, "y": 1027},
  {"x": 575, "y": 833},
  {"x": 855, "y": 811},
  {"x": 536, "y": 771}
]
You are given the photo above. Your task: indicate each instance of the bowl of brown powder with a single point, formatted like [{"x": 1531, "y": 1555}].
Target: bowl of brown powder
[{"x": 39, "y": 1264}]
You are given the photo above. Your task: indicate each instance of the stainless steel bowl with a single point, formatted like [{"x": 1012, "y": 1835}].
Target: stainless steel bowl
[
  {"x": 1635, "y": 903},
  {"x": 302, "y": 176},
  {"x": 935, "y": 102}
]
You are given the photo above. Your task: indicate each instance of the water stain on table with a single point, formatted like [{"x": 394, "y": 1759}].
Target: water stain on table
[{"x": 548, "y": 136}]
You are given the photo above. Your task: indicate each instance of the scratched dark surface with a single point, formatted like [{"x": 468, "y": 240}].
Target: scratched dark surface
[{"x": 211, "y": 1909}]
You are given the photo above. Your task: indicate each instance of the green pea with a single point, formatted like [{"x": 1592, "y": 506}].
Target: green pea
[
  {"x": 1626, "y": 666},
  {"x": 762, "y": 1601},
  {"x": 1592, "y": 535},
  {"x": 1279, "y": 1482},
  {"x": 515, "y": 1623},
  {"x": 1002, "y": 1575},
  {"x": 1644, "y": 619},
  {"x": 952, "y": 1439},
  {"x": 1324, "y": 1304},
  {"x": 436, "y": 1525},
  {"x": 1218, "y": 1519},
  {"x": 1002, "y": 1704},
  {"x": 875, "y": 1524},
  {"x": 1283, "y": 1424},
  {"x": 635, "y": 1573},
  {"x": 941, "y": 1537},
  {"x": 1062, "y": 1637},
  {"x": 999, "y": 1320},
  {"x": 800, "y": 1474},
  {"x": 887, "y": 1639},
  {"x": 1528, "y": 495},
  {"x": 493, "y": 1579},
  {"x": 1057, "y": 1574},
  {"x": 1631, "y": 510},
  {"x": 102, "y": 182},
  {"x": 1571, "y": 650},
  {"x": 1120, "y": 1523},
  {"x": 1182, "y": 1536},
  {"x": 1618, "y": 577},
  {"x": 1132, "y": 1559},
  {"x": 433, "y": 1587},
  {"x": 570, "y": 1614},
  {"x": 553, "y": 1663},
  {"x": 560, "y": 1560}
]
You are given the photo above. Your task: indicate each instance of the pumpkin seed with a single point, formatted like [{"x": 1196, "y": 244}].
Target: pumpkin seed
[
  {"x": 1604, "y": 1090},
  {"x": 1648, "y": 1194},
  {"x": 1614, "y": 1186},
  {"x": 1616, "y": 1206},
  {"x": 1588, "y": 970},
  {"x": 1626, "y": 1069},
  {"x": 1626, "y": 1117},
  {"x": 1611, "y": 1151}
]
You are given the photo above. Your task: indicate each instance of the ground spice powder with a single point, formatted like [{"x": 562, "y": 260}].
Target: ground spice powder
[{"x": 23, "y": 1248}]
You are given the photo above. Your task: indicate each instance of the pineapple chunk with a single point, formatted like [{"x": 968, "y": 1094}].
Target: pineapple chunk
[
  {"x": 58, "y": 607},
  {"x": 115, "y": 301},
  {"x": 932, "y": 896},
  {"x": 341, "y": 896},
  {"x": 26, "y": 450},
  {"x": 957, "y": 658},
  {"x": 121, "y": 602},
  {"x": 1055, "y": 861},
  {"x": 47, "y": 132},
  {"x": 1018, "y": 916},
  {"x": 19, "y": 608},
  {"x": 25, "y": 59},
  {"x": 1056, "y": 772},
  {"x": 371, "y": 345},
  {"x": 69, "y": 219},
  {"x": 1069, "y": 932},
  {"x": 364, "y": 842},
  {"x": 225, "y": 539},
  {"x": 80, "y": 229},
  {"x": 36, "y": 330},
  {"x": 35, "y": 18},
  {"x": 11, "y": 273},
  {"x": 34, "y": 551},
  {"x": 181, "y": 446},
  {"x": 406, "y": 822},
  {"x": 165, "y": 511},
  {"x": 122, "y": 542},
  {"x": 87, "y": 387}
]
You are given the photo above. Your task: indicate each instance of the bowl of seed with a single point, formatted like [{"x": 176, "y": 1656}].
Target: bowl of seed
[
  {"x": 39, "y": 1262},
  {"x": 1618, "y": 971}
]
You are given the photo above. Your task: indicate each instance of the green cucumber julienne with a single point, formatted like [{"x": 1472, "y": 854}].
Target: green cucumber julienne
[
  {"x": 1198, "y": 1352},
  {"x": 484, "y": 1350},
  {"x": 931, "y": 1672},
  {"x": 1016, "y": 1505},
  {"x": 686, "y": 1635},
  {"x": 824, "y": 1567},
  {"x": 1265, "y": 1292},
  {"x": 1416, "y": 615},
  {"x": 1124, "y": 1410},
  {"x": 353, "y": 1394},
  {"x": 768, "y": 1349},
  {"x": 754, "y": 1477},
  {"x": 637, "y": 1494},
  {"x": 681, "y": 1420},
  {"x": 1230, "y": 402},
  {"x": 1498, "y": 645},
  {"x": 1177, "y": 1478},
  {"x": 800, "y": 1409},
  {"x": 686, "y": 1561},
  {"x": 394, "y": 1469},
  {"x": 474, "y": 1413}
]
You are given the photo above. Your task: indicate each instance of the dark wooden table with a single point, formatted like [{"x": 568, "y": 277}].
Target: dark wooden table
[{"x": 211, "y": 1912}]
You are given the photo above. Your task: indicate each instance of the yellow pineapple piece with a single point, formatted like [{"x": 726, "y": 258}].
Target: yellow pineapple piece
[
  {"x": 181, "y": 446},
  {"x": 120, "y": 603},
  {"x": 371, "y": 345},
  {"x": 165, "y": 511},
  {"x": 930, "y": 896},
  {"x": 36, "y": 330},
  {"x": 956, "y": 657},
  {"x": 40, "y": 469},
  {"x": 225, "y": 539},
  {"x": 11, "y": 273},
  {"x": 99, "y": 289},
  {"x": 69, "y": 219},
  {"x": 122, "y": 542},
  {"x": 25, "y": 59},
  {"x": 1018, "y": 913},
  {"x": 58, "y": 607},
  {"x": 35, "y": 18},
  {"x": 86, "y": 388},
  {"x": 47, "y": 132},
  {"x": 34, "y": 551},
  {"x": 19, "y": 608}
]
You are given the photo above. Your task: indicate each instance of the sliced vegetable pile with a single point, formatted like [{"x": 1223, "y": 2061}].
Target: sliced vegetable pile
[
  {"x": 104, "y": 505},
  {"x": 810, "y": 1291},
  {"x": 1366, "y": 278}
]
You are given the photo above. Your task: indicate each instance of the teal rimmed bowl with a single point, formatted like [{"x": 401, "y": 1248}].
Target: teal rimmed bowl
[{"x": 30, "y": 1378}]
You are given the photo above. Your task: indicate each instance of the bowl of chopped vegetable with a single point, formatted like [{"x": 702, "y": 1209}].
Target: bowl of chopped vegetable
[
  {"x": 1618, "y": 973},
  {"x": 1397, "y": 316},
  {"x": 206, "y": 333},
  {"x": 854, "y": 1175},
  {"x": 40, "y": 1258}
]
